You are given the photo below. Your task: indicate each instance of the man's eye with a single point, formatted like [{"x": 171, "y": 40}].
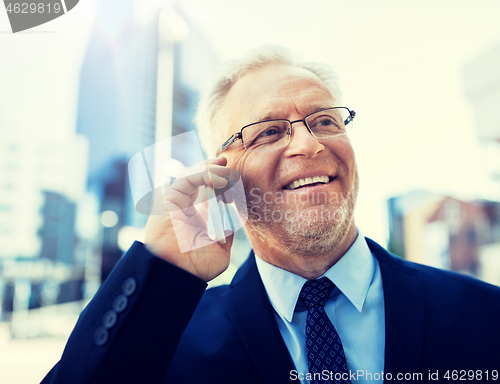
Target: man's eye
[
  {"x": 270, "y": 132},
  {"x": 327, "y": 121}
]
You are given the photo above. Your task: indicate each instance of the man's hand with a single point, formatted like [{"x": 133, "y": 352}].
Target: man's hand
[{"x": 185, "y": 226}]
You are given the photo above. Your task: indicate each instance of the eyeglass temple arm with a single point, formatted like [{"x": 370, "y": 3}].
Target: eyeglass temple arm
[
  {"x": 229, "y": 141},
  {"x": 352, "y": 115}
]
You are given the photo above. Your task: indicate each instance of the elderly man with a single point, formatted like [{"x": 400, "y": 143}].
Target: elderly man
[{"x": 315, "y": 301}]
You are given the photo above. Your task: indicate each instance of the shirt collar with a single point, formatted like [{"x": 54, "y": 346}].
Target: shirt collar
[{"x": 356, "y": 265}]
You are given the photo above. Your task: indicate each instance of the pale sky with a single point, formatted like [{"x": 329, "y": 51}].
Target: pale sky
[{"x": 400, "y": 63}]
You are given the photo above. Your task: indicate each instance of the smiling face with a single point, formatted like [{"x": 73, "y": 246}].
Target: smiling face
[{"x": 300, "y": 197}]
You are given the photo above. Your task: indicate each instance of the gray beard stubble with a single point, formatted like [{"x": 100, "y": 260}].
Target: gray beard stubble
[{"x": 310, "y": 232}]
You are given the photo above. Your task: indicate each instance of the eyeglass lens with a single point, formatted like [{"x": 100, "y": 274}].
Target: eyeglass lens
[{"x": 274, "y": 133}]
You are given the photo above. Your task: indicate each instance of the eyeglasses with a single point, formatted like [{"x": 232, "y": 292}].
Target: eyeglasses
[{"x": 274, "y": 134}]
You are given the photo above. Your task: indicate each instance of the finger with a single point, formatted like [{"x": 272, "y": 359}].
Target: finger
[
  {"x": 179, "y": 193},
  {"x": 200, "y": 167},
  {"x": 217, "y": 160},
  {"x": 219, "y": 170},
  {"x": 175, "y": 201},
  {"x": 191, "y": 183}
]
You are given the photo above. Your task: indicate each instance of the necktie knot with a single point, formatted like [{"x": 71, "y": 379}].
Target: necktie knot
[{"x": 315, "y": 292}]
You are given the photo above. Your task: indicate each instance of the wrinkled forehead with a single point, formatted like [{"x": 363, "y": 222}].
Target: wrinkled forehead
[
  {"x": 272, "y": 91},
  {"x": 273, "y": 82}
]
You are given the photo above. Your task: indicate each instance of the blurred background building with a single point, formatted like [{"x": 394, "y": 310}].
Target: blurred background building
[
  {"x": 445, "y": 232},
  {"x": 66, "y": 209},
  {"x": 41, "y": 252},
  {"x": 482, "y": 87}
]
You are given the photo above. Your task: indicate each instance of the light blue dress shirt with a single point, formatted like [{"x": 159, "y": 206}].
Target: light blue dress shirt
[{"x": 355, "y": 307}]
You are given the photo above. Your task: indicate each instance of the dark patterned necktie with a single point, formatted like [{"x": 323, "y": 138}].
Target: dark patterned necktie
[{"x": 323, "y": 345}]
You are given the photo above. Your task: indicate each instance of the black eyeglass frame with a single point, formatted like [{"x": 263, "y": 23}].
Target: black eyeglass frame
[{"x": 239, "y": 135}]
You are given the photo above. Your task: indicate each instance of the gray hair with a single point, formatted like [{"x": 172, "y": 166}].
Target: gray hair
[{"x": 209, "y": 118}]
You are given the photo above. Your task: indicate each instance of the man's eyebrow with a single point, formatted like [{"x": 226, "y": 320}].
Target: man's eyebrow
[
  {"x": 268, "y": 116},
  {"x": 273, "y": 115},
  {"x": 319, "y": 107}
]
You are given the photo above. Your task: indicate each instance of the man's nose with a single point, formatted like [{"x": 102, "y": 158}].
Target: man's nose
[{"x": 303, "y": 142}]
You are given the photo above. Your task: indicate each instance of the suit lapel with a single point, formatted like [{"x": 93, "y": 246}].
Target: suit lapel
[
  {"x": 404, "y": 313},
  {"x": 252, "y": 316}
]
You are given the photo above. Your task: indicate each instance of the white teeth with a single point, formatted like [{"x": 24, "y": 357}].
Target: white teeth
[{"x": 308, "y": 180}]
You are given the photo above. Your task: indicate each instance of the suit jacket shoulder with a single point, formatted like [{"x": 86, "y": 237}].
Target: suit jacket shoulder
[{"x": 437, "y": 319}]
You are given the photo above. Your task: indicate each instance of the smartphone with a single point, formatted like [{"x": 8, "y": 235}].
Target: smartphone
[{"x": 217, "y": 220}]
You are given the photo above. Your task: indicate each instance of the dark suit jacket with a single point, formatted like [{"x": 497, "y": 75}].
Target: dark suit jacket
[{"x": 173, "y": 331}]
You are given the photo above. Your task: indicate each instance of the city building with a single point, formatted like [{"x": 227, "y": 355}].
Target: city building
[
  {"x": 29, "y": 165},
  {"x": 482, "y": 88},
  {"x": 42, "y": 180},
  {"x": 445, "y": 232}
]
